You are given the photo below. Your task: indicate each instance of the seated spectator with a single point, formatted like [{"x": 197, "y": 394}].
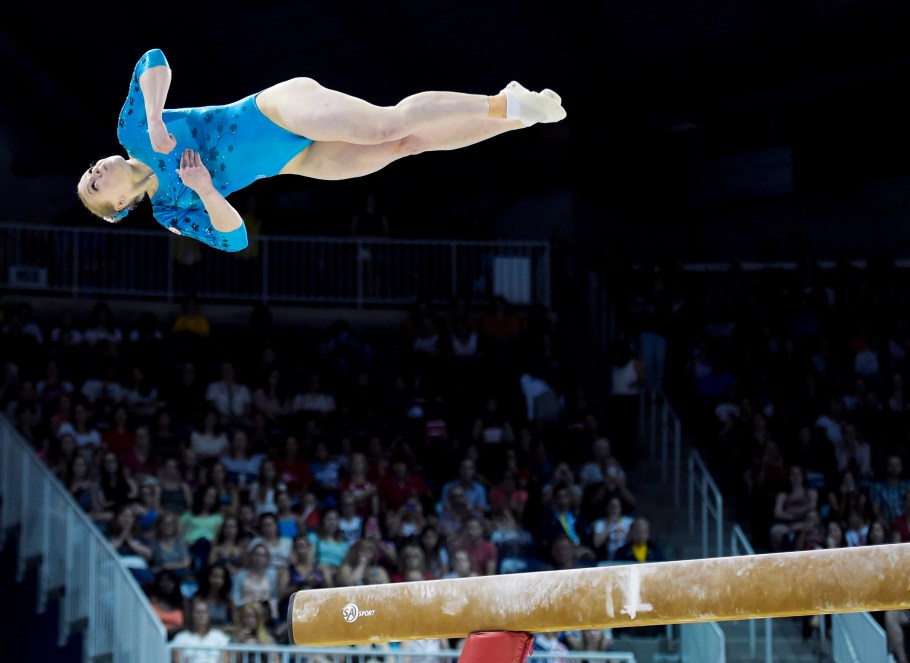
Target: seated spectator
[
  {"x": 349, "y": 521},
  {"x": 257, "y": 581},
  {"x": 412, "y": 565},
  {"x": 301, "y": 572},
  {"x": 167, "y": 601},
  {"x": 194, "y": 473},
  {"x": 474, "y": 539},
  {"x": 845, "y": 497},
  {"x": 232, "y": 400},
  {"x": 454, "y": 512},
  {"x": 475, "y": 491},
  {"x": 427, "y": 339},
  {"x": 405, "y": 524},
  {"x": 461, "y": 565},
  {"x": 834, "y": 535},
  {"x": 293, "y": 467},
  {"x": 207, "y": 438},
  {"x": 562, "y": 518},
  {"x": 215, "y": 589},
  {"x": 228, "y": 549},
  {"x": 493, "y": 426},
  {"x": 640, "y": 547},
  {"x": 84, "y": 487},
  {"x": 509, "y": 494},
  {"x": 168, "y": 442},
  {"x": 248, "y": 520},
  {"x": 140, "y": 394},
  {"x": 148, "y": 507},
  {"x": 886, "y": 494},
  {"x": 900, "y": 526},
  {"x": 878, "y": 533},
  {"x": 314, "y": 401},
  {"x": 854, "y": 452},
  {"x": 102, "y": 333},
  {"x": 289, "y": 525},
  {"x": 357, "y": 482},
  {"x": 565, "y": 554},
  {"x": 264, "y": 490},
  {"x": 610, "y": 531},
  {"x": 601, "y": 463},
  {"x": 279, "y": 547},
  {"x": 169, "y": 550},
  {"x": 794, "y": 509},
  {"x": 228, "y": 495},
  {"x": 435, "y": 551},
  {"x": 399, "y": 484},
  {"x": 60, "y": 456},
  {"x": 271, "y": 399},
  {"x": 200, "y": 525},
  {"x": 326, "y": 471},
  {"x": 83, "y": 430},
  {"x": 352, "y": 570},
  {"x": 61, "y": 414},
  {"x": 562, "y": 475},
  {"x": 250, "y": 628},
  {"x": 134, "y": 554},
  {"x": 120, "y": 437},
  {"x": 596, "y": 496},
  {"x": 241, "y": 463},
  {"x": 102, "y": 391},
  {"x": 67, "y": 334},
  {"x": 52, "y": 387},
  {"x": 176, "y": 494},
  {"x": 201, "y": 635},
  {"x": 191, "y": 320},
  {"x": 142, "y": 462},
  {"x": 386, "y": 549},
  {"x": 330, "y": 544},
  {"x": 515, "y": 546},
  {"x": 117, "y": 489}
]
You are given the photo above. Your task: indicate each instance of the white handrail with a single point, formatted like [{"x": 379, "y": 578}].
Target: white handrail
[{"x": 99, "y": 590}]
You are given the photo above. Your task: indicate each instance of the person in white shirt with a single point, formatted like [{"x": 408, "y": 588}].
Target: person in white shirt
[
  {"x": 201, "y": 635},
  {"x": 232, "y": 400}
]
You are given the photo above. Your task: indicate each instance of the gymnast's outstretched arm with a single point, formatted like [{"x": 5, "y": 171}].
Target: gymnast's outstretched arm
[{"x": 155, "y": 83}]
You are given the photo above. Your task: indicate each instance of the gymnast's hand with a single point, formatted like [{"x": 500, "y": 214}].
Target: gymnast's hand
[
  {"x": 193, "y": 173},
  {"x": 162, "y": 140}
]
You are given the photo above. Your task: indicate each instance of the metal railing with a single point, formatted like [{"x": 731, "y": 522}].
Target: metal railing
[
  {"x": 659, "y": 427},
  {"x": 703, "y": 491},
  {"x": 99, "y": 591},
  {"x": 388, "y": 653},
  {"x": 857, "y": 638},
  {"x": 702, "y": 643},
  {"x": 96, "y": 262},
  {"x": 740, "y": 545}
]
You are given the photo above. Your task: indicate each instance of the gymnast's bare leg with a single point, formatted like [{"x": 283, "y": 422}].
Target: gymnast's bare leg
[{"x": 306, "y": 108}]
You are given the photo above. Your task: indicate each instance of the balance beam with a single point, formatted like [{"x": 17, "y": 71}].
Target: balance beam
[{"x": 867, "y": 578}]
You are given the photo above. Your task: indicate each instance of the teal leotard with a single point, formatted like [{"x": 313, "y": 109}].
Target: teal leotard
[{"x": 236, "y": 142}]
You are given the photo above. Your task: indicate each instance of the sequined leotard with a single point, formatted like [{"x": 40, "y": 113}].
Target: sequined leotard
[{"x": 236, "y": 142}]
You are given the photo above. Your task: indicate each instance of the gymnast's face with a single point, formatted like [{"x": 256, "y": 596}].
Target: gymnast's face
[{"x": 105, "y": 183}]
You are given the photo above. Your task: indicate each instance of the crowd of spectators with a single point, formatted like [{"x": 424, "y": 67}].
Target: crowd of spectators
[
  {"x": 790, "y": 380},
  {"x": 233, "y": 465}
]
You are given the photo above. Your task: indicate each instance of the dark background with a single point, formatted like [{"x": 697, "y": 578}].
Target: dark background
[{"x": 654, "y": 91}]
